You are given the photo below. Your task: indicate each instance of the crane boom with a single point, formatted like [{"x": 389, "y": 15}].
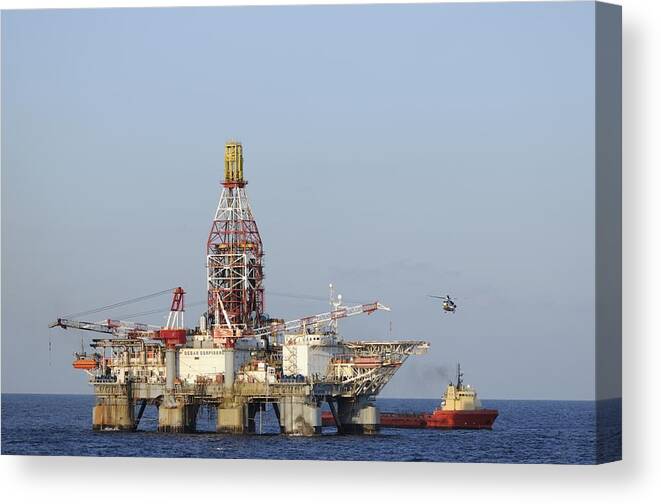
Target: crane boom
[
  {"x": 77, "y": 324},
  {"x": 109, "y": 326},
  {"x": 321, "y": 318}
]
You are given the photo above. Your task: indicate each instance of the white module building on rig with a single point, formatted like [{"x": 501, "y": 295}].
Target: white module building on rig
[{"x": 238, "y": 361}]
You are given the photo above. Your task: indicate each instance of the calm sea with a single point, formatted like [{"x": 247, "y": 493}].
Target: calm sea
[{"x": 555, "y": 432}]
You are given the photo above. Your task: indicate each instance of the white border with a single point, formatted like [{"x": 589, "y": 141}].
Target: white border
[{"x": 56, "y": 479}]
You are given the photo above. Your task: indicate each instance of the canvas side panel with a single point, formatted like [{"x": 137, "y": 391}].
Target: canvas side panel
[{"x": 608, "y": 232}]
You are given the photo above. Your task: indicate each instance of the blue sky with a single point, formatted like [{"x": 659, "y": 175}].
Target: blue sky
[{"x": 397, "y": 151}]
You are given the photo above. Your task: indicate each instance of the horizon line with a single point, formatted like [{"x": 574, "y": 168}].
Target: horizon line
[{"x": 91, "y": 394}]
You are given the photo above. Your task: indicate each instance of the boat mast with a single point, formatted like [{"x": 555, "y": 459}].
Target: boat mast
[{"x": 459, "y": 376}]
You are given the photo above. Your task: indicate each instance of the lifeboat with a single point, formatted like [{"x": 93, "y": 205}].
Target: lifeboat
[
  {"x": 366, "y": 362},
  {"x": 85, "y": 363}
]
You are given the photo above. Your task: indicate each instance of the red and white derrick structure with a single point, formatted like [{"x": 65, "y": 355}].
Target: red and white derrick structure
[{"x": 235, "y": 290}]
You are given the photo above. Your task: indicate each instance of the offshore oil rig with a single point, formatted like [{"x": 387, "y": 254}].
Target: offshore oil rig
[{"x": 238, "y": 361}]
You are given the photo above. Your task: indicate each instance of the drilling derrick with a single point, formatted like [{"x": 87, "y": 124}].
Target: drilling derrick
[{"x": 234, "y": 258}]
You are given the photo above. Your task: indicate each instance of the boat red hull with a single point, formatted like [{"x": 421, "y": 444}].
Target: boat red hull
[
  {"x": 403, "y": 420},
  {"x": 477, "y": 419}
]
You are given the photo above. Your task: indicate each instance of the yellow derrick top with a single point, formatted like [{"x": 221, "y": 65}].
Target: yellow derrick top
[{"x": 233, "y": 162}]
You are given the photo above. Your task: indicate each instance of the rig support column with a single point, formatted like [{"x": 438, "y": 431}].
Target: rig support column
[
  {"x": 114, "y": 413},
  {"x": 177, "y": 418},
  {"x": 299, "y": 416},
  {"x": 228, "y": 378},
  {"x": 170, "y": 368},
  {"x": 232, "y": 418},
  {"x": 170, "y": 421},
  {"x": 358, "y": 416}
]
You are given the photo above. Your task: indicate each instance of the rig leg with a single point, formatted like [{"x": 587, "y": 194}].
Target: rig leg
[
  {"x": 358, "y": 417},
  {"x": 177, "y": 418},
  {"x": 299, "y": 416},
  {"x": 251, "y": 414},
  {"x": 276, "y": 410},
  {"x": 336, "y": 417},
  {"x": 143, "y": 405},
  {"x": 113, "y": 413}
]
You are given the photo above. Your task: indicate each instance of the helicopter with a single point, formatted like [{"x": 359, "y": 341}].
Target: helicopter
[{"x": 448, "y": 304}]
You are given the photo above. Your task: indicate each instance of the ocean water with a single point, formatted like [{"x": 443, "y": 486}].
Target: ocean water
[{"x": 549, "y": 432}]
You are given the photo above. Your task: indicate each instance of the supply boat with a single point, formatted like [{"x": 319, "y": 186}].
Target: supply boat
[{"x": 460, "y": 408}]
